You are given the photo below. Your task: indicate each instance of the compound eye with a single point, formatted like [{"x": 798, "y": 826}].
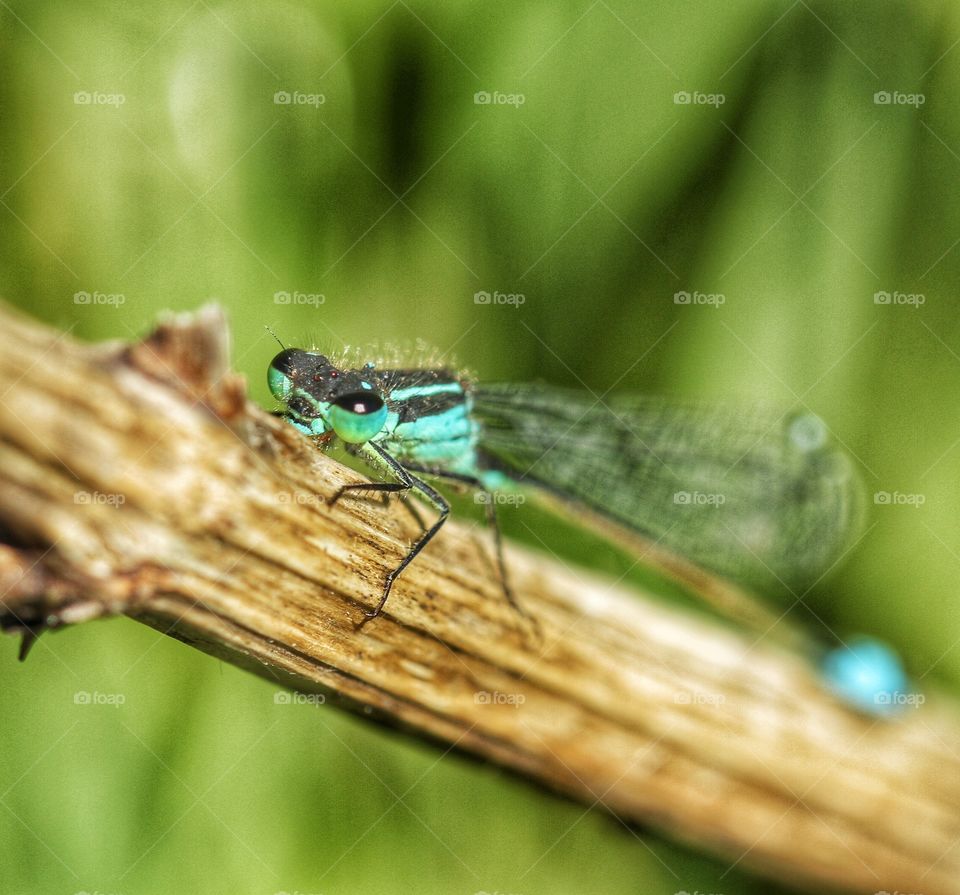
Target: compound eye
[
  {"x": 357, "y": 417},
  {"x": 286, "y": 360},
  {"x": 281, "y": 371}
]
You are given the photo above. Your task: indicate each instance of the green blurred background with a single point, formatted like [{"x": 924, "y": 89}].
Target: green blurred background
[{"x": 144, "y": 154}]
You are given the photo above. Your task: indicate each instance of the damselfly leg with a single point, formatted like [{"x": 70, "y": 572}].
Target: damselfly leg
[
  {"x": 379, "y": 458},
  {"x": 490, "y": 510}
]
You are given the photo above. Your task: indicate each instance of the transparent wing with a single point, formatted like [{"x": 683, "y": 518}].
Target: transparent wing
[{"x": 752, "y": 493}]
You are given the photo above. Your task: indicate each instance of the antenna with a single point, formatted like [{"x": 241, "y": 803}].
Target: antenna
[{"x": 272, "y": 333}]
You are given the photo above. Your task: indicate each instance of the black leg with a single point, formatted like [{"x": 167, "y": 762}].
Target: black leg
[
  {"x": 411, "y": 508},
  {"x": 490, "y": 509},
  {"x": 385, "y": 493},
  {"x": 388, "y": 487},
  {"x": 428, "y": 493},
  {"x": 407, "y": 482},
  {"x": 384, "y": 490}
]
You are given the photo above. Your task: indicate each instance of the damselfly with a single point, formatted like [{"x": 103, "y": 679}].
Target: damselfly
[{"x": 755, "y": 495}]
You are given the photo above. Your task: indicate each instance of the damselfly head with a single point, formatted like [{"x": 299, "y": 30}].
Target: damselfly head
[{"x": 321, "y": 398}]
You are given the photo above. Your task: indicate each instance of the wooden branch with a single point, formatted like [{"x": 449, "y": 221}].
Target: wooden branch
[{"x": 137, "y": 479}]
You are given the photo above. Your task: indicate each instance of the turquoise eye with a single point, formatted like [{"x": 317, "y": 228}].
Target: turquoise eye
[
  {"x": 279, "y": 371},
  {"x": 279, "y": 383},
  {"x": 357, "y": 417}
]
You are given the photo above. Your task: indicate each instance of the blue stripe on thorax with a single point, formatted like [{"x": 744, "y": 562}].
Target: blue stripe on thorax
[{"x": 424, "y": 391}]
